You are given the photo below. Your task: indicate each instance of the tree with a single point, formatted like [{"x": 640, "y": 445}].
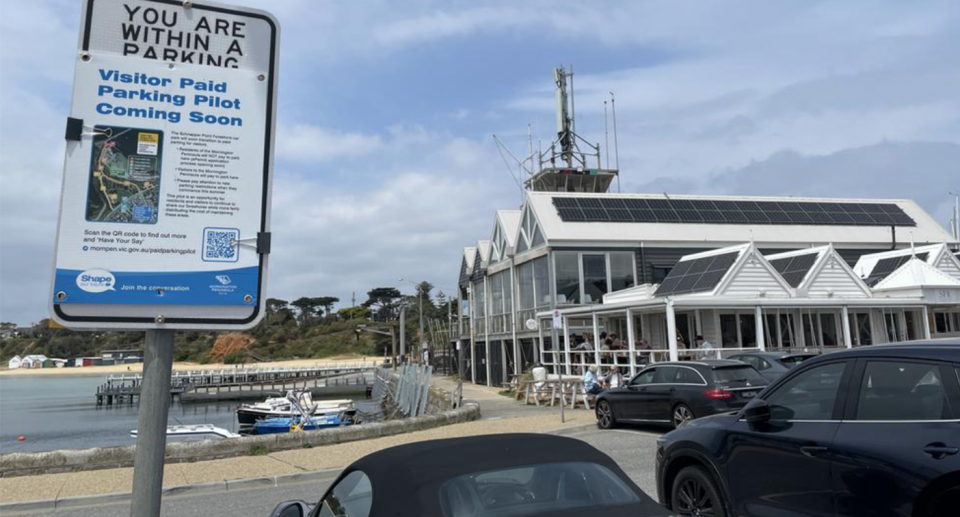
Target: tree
[
  {"x": 384, "y": 301},
  {"x": 275, "y": 305},
  {"x": 307, "y": 308},
  {"x": 326, "y": 302},
  {"x": 351, "y": 313}
]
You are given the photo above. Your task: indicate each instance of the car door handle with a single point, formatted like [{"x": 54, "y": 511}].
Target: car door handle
[
  {"x": 813, "y": 451},
  {"x": 940, "y": 450},
  {"x": 673, "y": 390}
]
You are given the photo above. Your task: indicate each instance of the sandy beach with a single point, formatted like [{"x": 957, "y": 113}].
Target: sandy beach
[{"x": 138, "y": 367}]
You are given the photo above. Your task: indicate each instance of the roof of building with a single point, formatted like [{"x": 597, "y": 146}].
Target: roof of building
[
  {"x": 876, "y": 266},
  {"x": 510, "y": 220},
  {"x": 926, "y": 229},
  {"x": 795, "y": 266},
  {"x": 916, "y": 273}
]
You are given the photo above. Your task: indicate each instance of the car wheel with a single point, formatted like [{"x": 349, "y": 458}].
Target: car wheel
[
  {"x": 605, "y": 418},
  {"x": 682, "y": 413},
  {"x": 695, "y": 493}
]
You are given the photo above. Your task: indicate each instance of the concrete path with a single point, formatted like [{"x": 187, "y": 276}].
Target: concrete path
[{"x": 500, "y": 414}]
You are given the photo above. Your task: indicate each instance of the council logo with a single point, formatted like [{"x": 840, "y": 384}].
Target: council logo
[{"x": 96, "y": 281}]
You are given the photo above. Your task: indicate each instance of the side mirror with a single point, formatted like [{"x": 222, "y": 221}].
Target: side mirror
[
  {"x": 291, "y": 509},
  {"x": 757, "y": 412}
]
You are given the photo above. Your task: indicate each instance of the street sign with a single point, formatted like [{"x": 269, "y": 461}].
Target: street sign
[{"x": 164, "y": 212}]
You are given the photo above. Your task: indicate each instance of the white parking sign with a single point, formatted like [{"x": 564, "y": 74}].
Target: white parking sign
[{"x": 164, "y": 214}]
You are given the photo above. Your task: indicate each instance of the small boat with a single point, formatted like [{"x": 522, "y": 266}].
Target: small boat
[
  {"x": 296, "y": 424},
  {"x": 195, "y": 430},
  {"x": 286, "y": 407}
]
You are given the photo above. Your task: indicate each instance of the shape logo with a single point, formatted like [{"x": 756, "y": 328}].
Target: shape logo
[
  {"x": 223, "y": 279},
  {"x": 96, "y": 281}
]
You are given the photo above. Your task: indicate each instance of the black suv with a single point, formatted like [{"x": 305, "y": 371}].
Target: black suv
[
  {"x": 873, "y": 431},
  {"x": 672, "y": 393}
]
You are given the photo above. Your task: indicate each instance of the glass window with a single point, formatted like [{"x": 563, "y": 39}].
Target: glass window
[
  {"x": 895, "y": 390},
  {"x": 745, "y": 376},
  {"x": 911, "y": 325},
  {"x": 537, "y": 237},
  {"x": 687, "y": 376},
  {"x": 728, "y": 331},
  {"x": 792, "y": 360},
  {"x": 541, "y": 281},
  {"x": 808, "y": 396},
  {"x": 622, "y": 272},
  {"x": 940, "y": 322},
  {"x": 644, "y": 377},
  {"x": 507, "y": 292},
  {"x": 892, "y": 326},
  {"x": 863, "y": 333},
  {"x": 666, "y": 375},
  {"x": 828, "y": 329},
  {"x": 534, "y": 490},
  {"x": 752, "y": 360},
  {"x": 351, "y": 497},
  {"x": 787, "y": 330},
  {"x": 526, "y": 285},
  {"x": 568, "y": 277},
  {"x": 594, "y": 278},
  {"x": 496, "y": 294},
  {"x": 480, "y": 297},
  {"x": 748, "y": 330}
]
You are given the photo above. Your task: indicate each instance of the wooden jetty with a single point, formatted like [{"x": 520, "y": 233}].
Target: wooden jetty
[{"x": 236, "y": 383}]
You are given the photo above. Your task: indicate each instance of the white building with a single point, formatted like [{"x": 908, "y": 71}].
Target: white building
[
  {"x": 588, "y": 253},
  {"x": 33, "y": 361},
  {"x": 14, "y": 362}
]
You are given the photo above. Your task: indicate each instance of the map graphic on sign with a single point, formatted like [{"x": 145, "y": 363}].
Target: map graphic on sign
[{"x": 124, "y": 175}]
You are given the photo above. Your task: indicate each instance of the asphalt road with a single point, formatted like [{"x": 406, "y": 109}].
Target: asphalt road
[{"x": 633, "y": 449}]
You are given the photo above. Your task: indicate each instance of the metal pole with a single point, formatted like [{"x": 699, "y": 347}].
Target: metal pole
[
  {"x": 403, "y": 331},
  {"x": 422, "y": 337},
  {"x": 152, "y": 424}
]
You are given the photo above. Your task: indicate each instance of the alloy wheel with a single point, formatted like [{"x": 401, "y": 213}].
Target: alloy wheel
[
  {"x": 681, "y": 414},
  {"x": 604, "y": 415},
  {"x": 694, "y": 499}
]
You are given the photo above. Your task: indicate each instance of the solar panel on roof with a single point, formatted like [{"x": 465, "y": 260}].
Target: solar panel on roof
[
  {"x": 794, "y": 269},
  {"x": 885, "y": 267},
  {"x": 697, "y": 275},
  {"x": 598, "y": 209}
]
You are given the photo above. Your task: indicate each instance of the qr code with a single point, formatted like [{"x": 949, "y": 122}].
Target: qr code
[{"x": 221, "y": 244}]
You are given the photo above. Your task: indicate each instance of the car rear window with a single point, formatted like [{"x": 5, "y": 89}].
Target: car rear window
[
  {"x": 534, "y": 490},
  {"x": 738, "y": 377},
  {"x": 792, "y": 360}
]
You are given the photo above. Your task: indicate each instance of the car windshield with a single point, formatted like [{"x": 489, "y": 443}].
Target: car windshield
[
  {"x": 534, "y": 490},
  {"x": 738, "y": 377},
  {"x": 792, "y": 360}
]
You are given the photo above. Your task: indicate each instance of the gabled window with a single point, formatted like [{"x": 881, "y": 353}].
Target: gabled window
[{"x": 530, "y": 234}]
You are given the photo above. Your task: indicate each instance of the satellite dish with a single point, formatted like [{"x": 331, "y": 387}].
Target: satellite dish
[{"x": 531, "y": 324}]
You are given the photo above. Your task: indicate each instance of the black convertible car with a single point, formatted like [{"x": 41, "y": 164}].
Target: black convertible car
[{"x": 510, "y": 475}]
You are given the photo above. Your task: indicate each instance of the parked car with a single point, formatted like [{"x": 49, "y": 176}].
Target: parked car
[
  {"x": 873, "y": 431},
  {"x": 516, "y": 475},
  {"x": 772, "y": 365},
  {"x": 675, "y": 392}
]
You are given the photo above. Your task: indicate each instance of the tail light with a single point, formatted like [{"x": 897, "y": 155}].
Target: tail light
[{"x": 718, "y": 394}]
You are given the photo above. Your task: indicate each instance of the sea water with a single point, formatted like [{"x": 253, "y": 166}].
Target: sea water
[{"x": 59, "y": 412}]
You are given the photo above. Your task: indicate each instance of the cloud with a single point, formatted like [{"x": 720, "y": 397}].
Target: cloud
[{"x": 305, "y": 142}]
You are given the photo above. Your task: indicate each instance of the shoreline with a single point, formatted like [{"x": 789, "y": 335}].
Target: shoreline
[{"x": 134, "y": 368}]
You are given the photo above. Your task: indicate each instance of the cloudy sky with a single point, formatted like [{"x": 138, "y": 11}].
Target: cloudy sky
[{"x": 385, "y": 163}]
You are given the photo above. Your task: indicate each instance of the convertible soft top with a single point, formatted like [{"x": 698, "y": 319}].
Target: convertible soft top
[{"x": 406, "y": 479}]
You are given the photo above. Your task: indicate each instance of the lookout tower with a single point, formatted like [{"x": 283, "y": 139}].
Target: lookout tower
[{"x": 570, "y": 163}]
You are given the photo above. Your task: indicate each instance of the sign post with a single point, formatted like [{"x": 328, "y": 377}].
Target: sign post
[{"x": 165, "y": 209}]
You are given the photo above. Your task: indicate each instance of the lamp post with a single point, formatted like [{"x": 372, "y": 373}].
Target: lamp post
[{"x": 956, "y": 215}]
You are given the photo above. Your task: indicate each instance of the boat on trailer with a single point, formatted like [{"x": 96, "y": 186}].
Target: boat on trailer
[{"x": 286, "y": 407}]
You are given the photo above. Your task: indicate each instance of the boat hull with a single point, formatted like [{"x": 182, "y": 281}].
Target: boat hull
[
  {"x": 284, "y": 425},
  {"x": 248, "y": 417}
]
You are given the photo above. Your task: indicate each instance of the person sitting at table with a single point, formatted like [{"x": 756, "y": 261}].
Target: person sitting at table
[
  {"x": 618, "y": 344},
  {"x": 613, "y": 379},
  {"x": 591, "y": 384}
]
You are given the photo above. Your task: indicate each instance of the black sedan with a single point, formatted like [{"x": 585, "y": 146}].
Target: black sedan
[
  {"x": 673, "y": 393},
  {"x": 868, "y": 432},
  {"x": 772, "y": 365},
  {"x": 515, "y": 475}
]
